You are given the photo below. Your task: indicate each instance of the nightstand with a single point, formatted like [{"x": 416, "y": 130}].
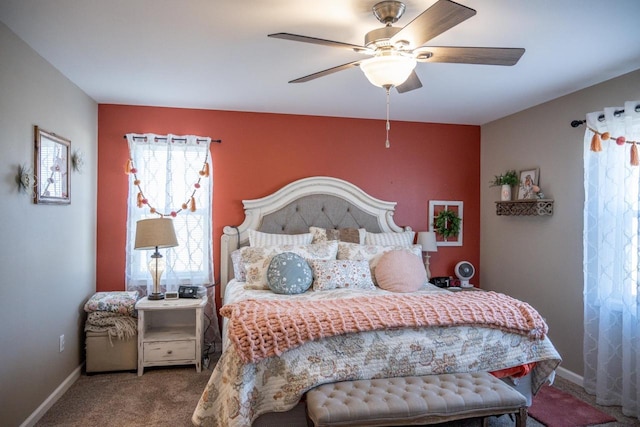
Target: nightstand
[{"x": 170, "y": 332}]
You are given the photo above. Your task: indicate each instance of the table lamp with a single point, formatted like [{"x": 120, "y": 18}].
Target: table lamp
[
  {"x": 427, "y": 239},
  {"x": 155, "y": 233}
]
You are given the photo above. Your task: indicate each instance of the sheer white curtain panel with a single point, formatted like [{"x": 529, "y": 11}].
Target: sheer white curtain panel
[
  {"x": 167, "y": 170},
  {"x": 611, "y": 259}
]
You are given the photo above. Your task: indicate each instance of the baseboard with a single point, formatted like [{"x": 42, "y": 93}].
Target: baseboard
[
  {"x": 53, "y": 398},
  {"x": 570, "y": 376}
]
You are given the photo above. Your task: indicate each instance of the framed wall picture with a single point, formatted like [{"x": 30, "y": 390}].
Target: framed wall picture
[
  {"x": 528, "y": 179},
  {"x": 446, "y": 219},
  {"x": 52, "y": 167}
]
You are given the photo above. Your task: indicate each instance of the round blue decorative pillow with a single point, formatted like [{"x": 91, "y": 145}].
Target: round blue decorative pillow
[{"x": 289, "y": 274}]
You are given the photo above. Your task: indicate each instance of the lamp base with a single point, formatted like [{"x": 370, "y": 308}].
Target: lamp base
[
  {"x": 426, "y": 265},
  {"x": 155, "y": 296},
  {"x": 156, "y": 268}
]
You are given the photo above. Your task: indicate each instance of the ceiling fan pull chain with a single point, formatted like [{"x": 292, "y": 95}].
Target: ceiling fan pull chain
[{"x": 387, "y": 144}]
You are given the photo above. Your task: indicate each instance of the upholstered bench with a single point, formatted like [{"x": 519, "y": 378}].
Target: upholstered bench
[{"x": 414, "y": 401}]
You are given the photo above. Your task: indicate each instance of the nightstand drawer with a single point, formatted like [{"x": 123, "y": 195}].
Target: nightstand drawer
[{"x": 159, "y": 351}]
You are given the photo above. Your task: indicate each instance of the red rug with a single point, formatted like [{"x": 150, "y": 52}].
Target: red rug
[{"x": 555, "y": 408}]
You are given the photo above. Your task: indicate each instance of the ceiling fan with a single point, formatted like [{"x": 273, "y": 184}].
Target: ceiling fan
[{"x": 395, "y": 51}]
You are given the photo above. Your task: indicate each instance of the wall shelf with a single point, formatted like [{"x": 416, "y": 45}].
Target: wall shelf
[{"x": 533, "y": 207}]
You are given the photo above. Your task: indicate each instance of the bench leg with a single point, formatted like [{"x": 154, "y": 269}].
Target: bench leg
[
  {"x": 521, "y": 418},
  {"x": 310, "y": 423}
]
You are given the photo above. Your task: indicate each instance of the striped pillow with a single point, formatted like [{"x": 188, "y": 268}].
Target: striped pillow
[
  {"x": 404, "y": 238},
  {"x": 260, "y": 239}
]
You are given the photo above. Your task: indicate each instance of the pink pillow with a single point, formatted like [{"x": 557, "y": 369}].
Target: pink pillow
[{"x": 400, "y": 271}]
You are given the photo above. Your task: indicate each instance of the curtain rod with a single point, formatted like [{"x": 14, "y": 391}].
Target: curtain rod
[
  {"x": 617, "y": 113},
  {"x": 161, "y": 138}
]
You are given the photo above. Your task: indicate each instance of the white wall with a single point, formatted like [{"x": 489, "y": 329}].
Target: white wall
[
  {"x": 539, "y": 259},
  {"x": 48, "y": 252}
]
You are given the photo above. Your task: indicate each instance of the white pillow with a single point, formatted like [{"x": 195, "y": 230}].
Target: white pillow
[
  {"x": 371, "y": 253},
  {"x": 256, "y": 259},
  {"x": 404, "y": 238},
  {"x": 258, "y": 238}
]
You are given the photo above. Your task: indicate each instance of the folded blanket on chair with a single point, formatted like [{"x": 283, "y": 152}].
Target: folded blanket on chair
[{"x": 116, "y": 325}]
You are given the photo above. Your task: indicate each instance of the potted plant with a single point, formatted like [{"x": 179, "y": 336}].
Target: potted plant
[
  {"x": 505, "y": 181},
  {"x": 447, "y": 224}
]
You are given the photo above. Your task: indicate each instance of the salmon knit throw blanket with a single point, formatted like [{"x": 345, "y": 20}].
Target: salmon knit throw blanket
[{"x": 261, "y": 329}]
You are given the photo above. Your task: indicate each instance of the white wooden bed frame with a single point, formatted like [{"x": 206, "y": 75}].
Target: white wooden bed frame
[{"x": 375, "y": 215}]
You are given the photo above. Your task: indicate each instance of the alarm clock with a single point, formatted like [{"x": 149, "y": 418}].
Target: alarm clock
[
  {"x": 441, "y": 282},
  {"x": 171, "y": 295}
]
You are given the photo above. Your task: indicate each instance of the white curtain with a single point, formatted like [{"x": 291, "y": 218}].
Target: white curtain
[
  {"x": 611, "y": 258},
  {"x": 172, "y": 175}
]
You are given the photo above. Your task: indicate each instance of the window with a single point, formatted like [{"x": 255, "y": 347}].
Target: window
[{"x": 170, "y": 177}]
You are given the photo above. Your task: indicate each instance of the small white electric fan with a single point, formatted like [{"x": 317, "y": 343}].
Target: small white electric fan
[{"x": 464, "y": 271}]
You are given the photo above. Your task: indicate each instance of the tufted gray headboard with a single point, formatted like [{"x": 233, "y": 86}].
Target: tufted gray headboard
[
  {"x": 316, "y": 201},
  {"x": 320, "y": 210}
]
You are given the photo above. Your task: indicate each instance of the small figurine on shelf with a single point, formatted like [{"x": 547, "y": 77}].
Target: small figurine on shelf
[{"x": 537, "y": 191}]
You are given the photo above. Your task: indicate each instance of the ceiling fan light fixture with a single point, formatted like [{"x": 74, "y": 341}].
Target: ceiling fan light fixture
[{"x": 388, "y": 70}]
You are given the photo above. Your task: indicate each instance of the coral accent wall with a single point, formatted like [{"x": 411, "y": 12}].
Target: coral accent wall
[{"x": 262, "y": 152}]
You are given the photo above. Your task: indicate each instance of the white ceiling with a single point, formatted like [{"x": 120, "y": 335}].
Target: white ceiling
[{"x": 215, "y": 54}]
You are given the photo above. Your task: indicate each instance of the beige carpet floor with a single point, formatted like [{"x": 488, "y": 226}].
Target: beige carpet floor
[
  {"x": 168, "y": 396},
  {"x": 160, "y": 397}
]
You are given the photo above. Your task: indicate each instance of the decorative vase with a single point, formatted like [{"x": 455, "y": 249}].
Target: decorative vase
[{"x": 505, "y": 193}]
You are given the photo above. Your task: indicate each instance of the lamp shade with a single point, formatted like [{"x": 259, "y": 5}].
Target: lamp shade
[
  {"x": 427, "y": 239},
  {"x": 155, "y": 233},
  {"x": 388, "y": 70}
]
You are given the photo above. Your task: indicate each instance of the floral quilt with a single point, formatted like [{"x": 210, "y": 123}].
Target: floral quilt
[
  {"x": 120, "y": 302},
  {"x": 237, "y": 393}
]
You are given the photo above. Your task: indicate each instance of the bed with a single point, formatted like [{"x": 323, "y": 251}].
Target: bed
[{"x": 278, "y": 346}]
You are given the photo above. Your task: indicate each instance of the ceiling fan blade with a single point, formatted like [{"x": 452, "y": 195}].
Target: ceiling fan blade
[
  {"x": 326, "y": 72},
  {"x": 314, "y": 40},
  {"x": 412, "y": 83},
  {"x": 441, "y": 16},
  {"x": 476, "y": 55}
]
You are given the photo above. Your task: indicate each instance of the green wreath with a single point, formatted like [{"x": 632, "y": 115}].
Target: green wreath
[{"x": 447, "y": 223}]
